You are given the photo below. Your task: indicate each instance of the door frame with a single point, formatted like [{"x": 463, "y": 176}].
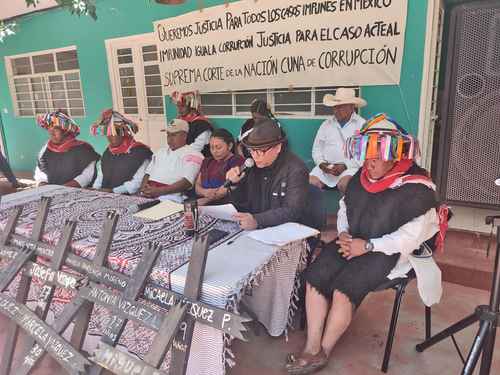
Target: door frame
[
  {"x": 433, "y": 36},
  {"x": 112, "y": 73},
  {"x": 151, "y": 121}
]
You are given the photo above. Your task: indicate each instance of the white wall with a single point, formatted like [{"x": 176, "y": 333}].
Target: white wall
[
  {"x": 471, "y": 219},
  {"x": 13, "y": 8}
]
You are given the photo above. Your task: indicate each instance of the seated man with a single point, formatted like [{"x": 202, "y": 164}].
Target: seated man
[
  {"x": 124, "y": 162},
  {"x": 332, "y": 168},
  {"x": 64, "y": 160},
  {"x": 173, "y": 169},
  {"x": 272, "y": 192},
  {"x": 188, "y": 109},
  {"x": 389, "y": 210}
]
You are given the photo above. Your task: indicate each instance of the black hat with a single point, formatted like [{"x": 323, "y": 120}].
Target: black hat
[{"x": 265, "y": 133}]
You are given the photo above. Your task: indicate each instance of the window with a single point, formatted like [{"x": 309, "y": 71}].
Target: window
[
  {"x": 46, "y": 81},
  {"x": 299, "y": 102},
  {"x": 131, "y": 77}
]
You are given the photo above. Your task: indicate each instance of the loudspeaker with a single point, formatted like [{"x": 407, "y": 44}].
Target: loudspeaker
[{"x": 469, "y": 146}]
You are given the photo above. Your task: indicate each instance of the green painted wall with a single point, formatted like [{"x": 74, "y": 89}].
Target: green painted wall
[{"x": 117, "y": 18}]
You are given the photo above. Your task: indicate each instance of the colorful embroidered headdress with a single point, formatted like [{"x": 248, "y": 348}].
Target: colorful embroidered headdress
[
  {"x": 190, "y": 99},
  {"x": 113, "y": 123},
  {"x": 382, "y": 138},
  {"x": 58, "y": 119}
]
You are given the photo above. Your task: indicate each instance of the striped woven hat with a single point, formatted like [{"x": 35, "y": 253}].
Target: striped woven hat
[
  {"x": 58, "y": 119},
  {"x": 113, "y": 123},
  {"x": 383, "y": 138}
]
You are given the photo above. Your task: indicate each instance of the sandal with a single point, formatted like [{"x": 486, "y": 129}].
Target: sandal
[{"x": 305, "y": 363}]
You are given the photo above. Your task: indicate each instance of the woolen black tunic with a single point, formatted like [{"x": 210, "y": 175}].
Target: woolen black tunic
[
  {"x": 370, "y": 215},
  {"x": 120, "y": 168},
  {"x": 62, "y": 167}
]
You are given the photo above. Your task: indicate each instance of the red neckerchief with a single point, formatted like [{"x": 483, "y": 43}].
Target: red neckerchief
[
  {"x": 395, "y": 178},
  {"x": 384, "y": 183},
  {"x": 193, "y": 116},
  {"x": 67, "y": 145},
  {"x": 128, "y": 143}
]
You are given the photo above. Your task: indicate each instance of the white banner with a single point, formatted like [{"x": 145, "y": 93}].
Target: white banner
[{"x": 253, "y": 44}]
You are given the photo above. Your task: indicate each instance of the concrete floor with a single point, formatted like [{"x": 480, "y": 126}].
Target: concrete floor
[{"x": 361, "y": 349}]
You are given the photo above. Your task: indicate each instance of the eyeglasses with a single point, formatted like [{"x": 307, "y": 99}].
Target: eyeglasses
[{"x": 259, "y": 152}]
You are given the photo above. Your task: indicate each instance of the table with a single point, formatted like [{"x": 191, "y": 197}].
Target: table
[{"x": 263, "y": 275}]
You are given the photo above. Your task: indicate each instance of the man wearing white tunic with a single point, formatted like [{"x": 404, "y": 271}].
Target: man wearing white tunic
[
  {"x": 332, "y": 168},
  {"x": 173, "y": 169}
]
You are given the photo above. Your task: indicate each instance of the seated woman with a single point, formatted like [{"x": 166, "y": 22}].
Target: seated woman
[
  {"x": 389, "y": 210},
  {"x": 124, "y": 162},
  {"x": 64, "y": 160},
  {"x": 210, "y": 181}
]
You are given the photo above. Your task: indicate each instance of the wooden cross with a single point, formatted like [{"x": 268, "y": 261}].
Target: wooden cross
[
  {"x": 175, "y": 331},
  {"x": 96, "y": 272},
  {"x": 79, "y": 309},
  {"x": 20, "y": 316},
  {"x": 215, "y": 317},
  {"x": 111, "y": 334}
]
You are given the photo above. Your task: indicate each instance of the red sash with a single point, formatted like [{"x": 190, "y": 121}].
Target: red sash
[{"x": 69, "y": 143}]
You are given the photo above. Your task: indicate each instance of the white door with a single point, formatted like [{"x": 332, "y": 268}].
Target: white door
[{"x": 136, "y": 85}]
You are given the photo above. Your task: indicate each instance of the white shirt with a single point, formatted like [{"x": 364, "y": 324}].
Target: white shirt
[
  {"x": 201, "y": 140},
  {"x": 131, "y": 186},
  {"x": 84, "y": 178},
  {"x": 404, "y": 240},
  {"x": 168, "y": 167},
  {"x": 329, "y": 144}
]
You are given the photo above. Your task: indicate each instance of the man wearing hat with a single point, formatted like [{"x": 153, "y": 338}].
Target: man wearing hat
[
  {"x": 387, "y": 212},
  {"x": 273, "y": 192},
  {"x": 332, "y": 168},
  {"x": 188, "y": 109},
  {"x": 124, "y": 162},
  {"x": 173, "y": 169},
  {"x": 64, "y": 160}
]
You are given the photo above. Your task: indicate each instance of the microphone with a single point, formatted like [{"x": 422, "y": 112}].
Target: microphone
[
  {"x": 249, "y": 163},
  {"x": 142, "y": 206}
]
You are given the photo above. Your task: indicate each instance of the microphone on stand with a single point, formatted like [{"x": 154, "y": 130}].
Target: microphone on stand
[
  {"x": 249, "y": 163},
  {"x": 142, "y": 206}
]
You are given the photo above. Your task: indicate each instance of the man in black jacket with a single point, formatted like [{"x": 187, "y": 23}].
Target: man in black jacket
[{"x": 275, "y": 190}]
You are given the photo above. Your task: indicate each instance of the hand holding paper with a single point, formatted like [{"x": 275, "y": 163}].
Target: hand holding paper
[{"x": 223, "y": 212}]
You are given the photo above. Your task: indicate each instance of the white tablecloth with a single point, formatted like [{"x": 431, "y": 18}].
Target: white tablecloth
[{"x": 263, "y": 275}]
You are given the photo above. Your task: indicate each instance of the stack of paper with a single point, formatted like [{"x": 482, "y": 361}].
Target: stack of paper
[
  {"x": 161, "y": 210},
  {"x": 282, "y": 234}
]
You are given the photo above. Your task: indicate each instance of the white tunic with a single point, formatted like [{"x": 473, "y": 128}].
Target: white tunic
[
  {"x": 329, "y": 147},
  {"x": 169, "y": 167}
]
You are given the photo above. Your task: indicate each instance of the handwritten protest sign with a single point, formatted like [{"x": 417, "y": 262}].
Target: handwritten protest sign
[{"x": 273, "y": 44}]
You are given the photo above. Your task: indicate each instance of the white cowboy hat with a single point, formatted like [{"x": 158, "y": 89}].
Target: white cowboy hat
[{"x": 343, "y": 95}]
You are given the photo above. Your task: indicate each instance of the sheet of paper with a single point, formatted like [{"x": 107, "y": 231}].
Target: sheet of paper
[
  {"x": 282, "y": 234},
  {"x": 223, "y": 212},
  {"x": 172, "y": 197},
  {"x": 160, "y": 211}
]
